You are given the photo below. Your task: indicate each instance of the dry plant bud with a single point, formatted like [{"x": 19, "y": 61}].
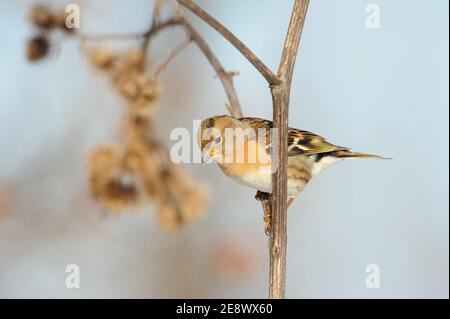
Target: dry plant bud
[
  {"x": 150, "y": 88},
  {"x": 128, "y": 87},
  {"x": 123, "y": 177},
  {"x": 115, "y": 187},
  {"x": 142, "y": 91},
  {"x": 102, "y": 58},
  {"x": 41, "y": 16},
  {"x": 140, "y": 168},
  {"x": 134, "y": 59},
  {"x": 37, "y": 48},
  {"x": 155, "y": 164},
  {"x": 119, "y": 193},
  {"x": 150, "y": 92},
  {"x": 136, "y": 157},
  {"x": 179, "y": 188}
]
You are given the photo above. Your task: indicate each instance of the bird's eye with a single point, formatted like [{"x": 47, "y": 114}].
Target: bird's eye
[{"x": 218, "y": 139}]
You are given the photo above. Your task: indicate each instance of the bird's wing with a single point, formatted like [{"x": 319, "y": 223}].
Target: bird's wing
[
  {"x": 299, "y": 142},
  {"x": 307, "y": 143}
]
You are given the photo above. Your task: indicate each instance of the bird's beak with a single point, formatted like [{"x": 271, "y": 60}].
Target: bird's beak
[{"x": 208, "y": 155}]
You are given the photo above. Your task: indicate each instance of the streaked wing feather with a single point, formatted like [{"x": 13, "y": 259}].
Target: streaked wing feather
[
  {"x": 307, "y": 143},
  {"x": 300, "y": 142}
]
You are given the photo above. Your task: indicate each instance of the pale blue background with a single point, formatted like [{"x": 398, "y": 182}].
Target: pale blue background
[{"x": 382, "y": 91}]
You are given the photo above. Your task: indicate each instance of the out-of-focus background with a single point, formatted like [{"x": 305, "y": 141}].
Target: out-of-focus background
[{"x": 383, "y": 91}]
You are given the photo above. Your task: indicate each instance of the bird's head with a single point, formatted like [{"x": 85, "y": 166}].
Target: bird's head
[{"x": 211, "y": 136}]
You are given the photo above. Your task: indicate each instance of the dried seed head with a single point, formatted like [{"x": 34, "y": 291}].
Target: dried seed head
[
  {"x": 134, "y": 59},
  {"x": 150, "y": 89},
  {"x": 141, "y": 91},
  {"x": 41, "y": 16},
  {"x": 115, "y": 187},
  {"x": 115, "y": 193},
  {"x": 37, "y": 48},
  {"x": 134, "y": 159},
  {"x": 128, "y": 87},
  {"x": 102, "y": 58},
  {"x": 120, "y": 193},
  {"x": 149, "y": 94}
]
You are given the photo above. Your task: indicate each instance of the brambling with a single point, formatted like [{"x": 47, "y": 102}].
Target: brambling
[{"x": 242, "y": 149}]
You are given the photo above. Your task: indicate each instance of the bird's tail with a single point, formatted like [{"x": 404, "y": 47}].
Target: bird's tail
[{"x": 348, "y": 154}]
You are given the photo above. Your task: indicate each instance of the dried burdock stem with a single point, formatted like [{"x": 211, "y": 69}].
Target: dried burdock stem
[
  {"x": 156, "y": 28},
  {"x": 146, "y": 36},
  {"x": 280, "y": 86},
  {"x": 110, "y": 37}
]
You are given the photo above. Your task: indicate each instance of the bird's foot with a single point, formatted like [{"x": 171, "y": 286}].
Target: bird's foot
[
  {"x": 265, "y": 198},
  {"x": 261, "y": 196}
]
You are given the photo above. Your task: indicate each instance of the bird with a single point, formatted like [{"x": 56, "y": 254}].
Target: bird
[{"x": 242, "y": 148}]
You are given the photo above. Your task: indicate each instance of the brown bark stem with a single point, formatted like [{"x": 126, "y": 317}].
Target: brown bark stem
[{"x": 280, "y": 99}]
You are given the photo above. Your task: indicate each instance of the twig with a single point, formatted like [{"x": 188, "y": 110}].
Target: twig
[
  {"x": 292, "y": 41},
  {"x": 156, "y": 27},
  {"x": 110, "y": 37},
  {"x": 238, "y": 44},
  {"x": 146, "y": 36},
  {"x": 162, "y": 66}
]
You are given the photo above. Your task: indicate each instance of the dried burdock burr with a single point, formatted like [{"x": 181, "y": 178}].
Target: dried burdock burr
[
  {"x": 112, "y": 183},
  {"x": 42, "y": 17},
  {"x": 102, "y": 58},
  {"x": 134, "y": 59},
  {"x": 138, "y": 168},
  {"x": 37, "y": 48}
]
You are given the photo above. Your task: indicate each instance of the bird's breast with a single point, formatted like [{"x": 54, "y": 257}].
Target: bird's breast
[{"x": 259, "y": 177}]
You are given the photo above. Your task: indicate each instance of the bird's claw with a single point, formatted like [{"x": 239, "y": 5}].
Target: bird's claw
[
  {"x": 261, "y": 196},
  {"x": 267, "y": 224}
]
